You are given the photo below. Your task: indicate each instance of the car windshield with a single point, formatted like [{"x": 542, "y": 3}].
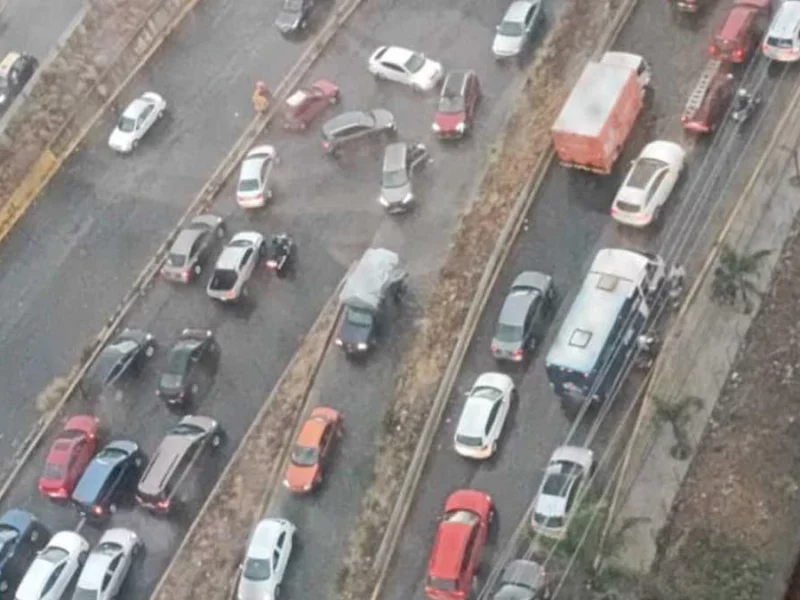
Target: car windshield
[
  {"x": 643, "y": 172},
  {"x": 126, "y": 346},
  {"x": 179, "y": 358},
  {"x": 451, "y": 104},
  {"x": 487, "y": 392},
  {"x": 176, "y": 260},
  {"x": 446, "y": 585},
  {"x": 248, "y": 185},
  {"x": 54, "y": 555},
  {"x": 510, "y": 29},
  {"x": 415, "y": 62},
  {"x": 293, "y": 5},
  {"x": 171, "y": 380},
  {"x": 628, "y": 206},
  {"x": 359, "y": 317},
  {"x": 556, "y": 484},
  {"x": 54, "y": 471},
  {"x": 395, "y": 179},
  {"x": 779, "y": 42},
  {"x": 108, "y": 549},
  {"x": 126, "y": 124},
  {"x": 186, "y": 429},
  {"x": 305, "y": 456},
  {"x": 469, "y": 440},
  {"x": 548, "y": 521},
  {"x": 508, "y": 333},
  {"x": 111, "y": 454},
  {"x": 257, "y": 569}
]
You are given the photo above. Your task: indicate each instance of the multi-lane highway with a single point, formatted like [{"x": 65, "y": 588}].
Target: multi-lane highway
[
  {"x": 72, "y": 257},
  {"x": 34, "y": 26},
  {"x": 561, "y": 212}
]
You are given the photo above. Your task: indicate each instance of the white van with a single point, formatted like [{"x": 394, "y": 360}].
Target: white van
[{"x": 782, "y": 42}]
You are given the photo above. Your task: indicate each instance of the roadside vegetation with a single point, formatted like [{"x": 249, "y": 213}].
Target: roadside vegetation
[{"x": 511, "y": 163}]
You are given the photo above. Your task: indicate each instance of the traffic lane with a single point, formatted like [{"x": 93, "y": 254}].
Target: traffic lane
[
  {"x": 73, "y": 256},
  {"x": 35, "y": 26}
]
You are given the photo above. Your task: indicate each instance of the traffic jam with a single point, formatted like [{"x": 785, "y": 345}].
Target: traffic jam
[{"x": 90, "y": 471}]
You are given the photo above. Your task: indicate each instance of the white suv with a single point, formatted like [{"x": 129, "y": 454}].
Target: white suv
[{"x": 782, "y": 42}]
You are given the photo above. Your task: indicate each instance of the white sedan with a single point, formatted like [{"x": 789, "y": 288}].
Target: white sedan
[
  {"x": 254, "y": 188},
  {"x": 405, "y": 66},
  {"x": 265, "y": 560},
  {"x": 484, "y": 415},
  {"x": 54, "y": 567},
  {"x": 648, "y": 184},
  {"x": 136, "y": 120},
  {"x": 108, "y": 565}
]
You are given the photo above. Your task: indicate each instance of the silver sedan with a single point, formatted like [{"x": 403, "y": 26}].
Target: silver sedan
[{"x": 108, "y": 565}]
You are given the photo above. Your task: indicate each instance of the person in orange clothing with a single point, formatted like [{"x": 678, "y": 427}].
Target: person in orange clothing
[{"x": 261, "y": 97}]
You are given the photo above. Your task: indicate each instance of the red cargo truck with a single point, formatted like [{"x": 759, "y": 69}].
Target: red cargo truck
[{"x": 598, "y": 116}]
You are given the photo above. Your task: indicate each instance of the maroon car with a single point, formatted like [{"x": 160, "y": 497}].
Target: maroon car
[
  {"x": 457, "y": 103},
  {"x": 710, "y": 98},
  {"x": 305, "y": 104}
]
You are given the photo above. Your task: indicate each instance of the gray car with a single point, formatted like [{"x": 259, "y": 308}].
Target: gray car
[
  {"x": 192, "y": 248},
  {"x": 129, "y": 351},
  {"x": 515, "y": 30},
  {"x": 400, "y": 162},
  {"x": 235, "y": 266},
  {"x": 523, "y": 580},
  {"x": 355, "y": 125},
  {"x": 526, "y": 311}
]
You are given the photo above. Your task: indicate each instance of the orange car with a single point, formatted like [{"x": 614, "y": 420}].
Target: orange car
[{"x": 312, "y": 449}]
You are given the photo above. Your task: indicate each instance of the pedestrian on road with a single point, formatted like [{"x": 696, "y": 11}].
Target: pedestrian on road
[
  {"x": 647, "y": 346},
  {"x": 261, "y": 98}
]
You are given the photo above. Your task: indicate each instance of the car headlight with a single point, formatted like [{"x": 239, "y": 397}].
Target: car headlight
[
  {"x": 461, "y": 127},
  {"x": 383, "y": 201},
  {"x": 3, "y": 98},
  {"x": 339, "y": 342},
  {"x": 409, "y": 197},
  {"x": 436, "y": 128},
  {"x": 362, "y": 346}
]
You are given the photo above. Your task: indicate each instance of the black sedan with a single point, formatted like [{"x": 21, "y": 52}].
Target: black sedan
[
  {"x": 107, "y": 477},
  {"x": 294, "y": 16},
  {"x": 128, "y": 352},
  {"x": 195, "y": 349},
  {"x": 21, "y": 537}
]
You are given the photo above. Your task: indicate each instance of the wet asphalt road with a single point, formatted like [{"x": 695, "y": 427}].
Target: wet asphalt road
[
  {"x": 74, "y": 254},
  {"x": 565, "y": 211},
  {"x": 34, "y": 26}
]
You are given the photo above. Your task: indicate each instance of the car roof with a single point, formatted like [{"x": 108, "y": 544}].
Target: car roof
[
  {"x": 94, "y": 569},
  {"x": 184, "y": 240},
  {"x": 737, "y": 18},
  {"x": 251, "y": 167},
  {"x": 524, "y": 572},
  {"x": 264, "y": 537},
  {"x": 516, "y": 306},
  {"x": 454, "y": 83},
  {"x": 394, "y": 157},
  {"x": 171, "y": 450},
  {"x": 230, "y": 257},
  {"x": 397, "y": 54},
  {"x": 449, "y": 548},
  {"x": 474, "y": 416},
  {"x": 516, "y": 12},
  {"x": 786, "y": 20},
  {"x": 353, "y": 117},
  {"x": 312, "y": 431},
  {"x": 95, "y": 476},
  {"x": 135, "y": 108}
]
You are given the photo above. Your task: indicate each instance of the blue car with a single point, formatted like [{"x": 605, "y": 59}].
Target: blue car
[
  {"x": 109, "y": 473},
  {"x": 21, "y": 537}
]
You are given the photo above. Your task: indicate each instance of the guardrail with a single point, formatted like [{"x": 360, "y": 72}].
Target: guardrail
[
  {"x": 494, "y": 265},
  {"x": 200, "y": 204}
]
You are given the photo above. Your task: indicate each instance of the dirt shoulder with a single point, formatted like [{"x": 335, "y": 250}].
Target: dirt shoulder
[
  {"x": 731, "y": 532},
  {"x": 205, "y": 566},
  {"x": 513, "y": 160}
]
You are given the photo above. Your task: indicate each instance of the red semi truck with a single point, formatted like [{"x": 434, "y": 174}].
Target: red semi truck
[{"x": 601, "y": 111}]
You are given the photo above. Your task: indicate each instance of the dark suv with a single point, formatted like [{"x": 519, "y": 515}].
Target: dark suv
[
  {"x": 128, "y": 353},
  {"x": 294, "y": 16},
  {"x": 355, "y": 125},
  {"x": 107, "y": 475},
  {"x": 22, "y": 535},
  {"x": 195, "y": 349},
  {"x": 16, "y": 69},
  {"x": 173, "y": 461}
]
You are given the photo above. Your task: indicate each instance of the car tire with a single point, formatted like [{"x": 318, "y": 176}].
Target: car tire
[
  {"x": 112, "y": 508},
  {"x": 83, "y": 556},
  {"x": 198, "y": 269},
  {"x": 221, "y": 231},
  {"x": 137, "y": 461},
  {"x": 216, "y": 440},
  {"x": 160, "y": 114},
  {"x": 150, "y": 350}
]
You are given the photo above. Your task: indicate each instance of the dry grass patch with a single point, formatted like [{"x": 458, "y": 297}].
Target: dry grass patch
[
  {"x": 513, "y": 160},
  {"x": 206, "y": 565}
]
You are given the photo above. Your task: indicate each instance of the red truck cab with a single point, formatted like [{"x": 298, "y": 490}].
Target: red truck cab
[
  {"x": 738, "y": 34},
  {"x": 710, "y": 98}
]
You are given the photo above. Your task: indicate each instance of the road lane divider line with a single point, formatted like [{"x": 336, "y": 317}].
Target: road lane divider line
[
  {"x": 675, "y": 329},
  {"x": 50, "y": 161},
  {"x": 200, "y": 204},
  {"x": 494, "y": 265},
  {"x": 318, "y": 341}
]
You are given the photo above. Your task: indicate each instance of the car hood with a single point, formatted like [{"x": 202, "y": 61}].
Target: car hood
[
  {"x": 120, "y": 139},
  {"x": 253, "y": 590},
  {"x": 287, "y": 21},
  {"x": 350, "y": 333},
  {"x": 429, "y": 74},
  {"x": 299, "y": 477},
  {"x": 396, "y": 195},
  {"x": 449, "y": 121},
  {"x": 504, "y": 45},
  {"x": 551, "y": 506}
]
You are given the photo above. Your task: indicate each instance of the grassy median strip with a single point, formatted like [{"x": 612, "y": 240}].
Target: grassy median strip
[
  {"x": 206, "y": 563},
  {"x": 512, "y": 161}
]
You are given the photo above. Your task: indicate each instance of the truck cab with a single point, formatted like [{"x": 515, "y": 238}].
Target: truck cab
[
  {"x": 739, "y": 32},
  {"x": 710, "y": 98}
]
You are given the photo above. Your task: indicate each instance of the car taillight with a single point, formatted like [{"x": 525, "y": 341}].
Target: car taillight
[
  {"x": 185, "y": 274},
  {"x": 158, "y": 392},
  {"x": 97, "y": 510},
  {"x": 517, "y": 352},
  {"x": 764, "y": 47},
  {"x": 231, "y": 295},
  {"x": 614, "y": 211},
  {"x": 325, "y": 145},
  {"x": 163, "y": 504},
  {"x": 271, "y": 264},
  {"x": 712, "y": 49},
  {"x": 493, "y": 347},
  {"x": 738, "y": 54}
]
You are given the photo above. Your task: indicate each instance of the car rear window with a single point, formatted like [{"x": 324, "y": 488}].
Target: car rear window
[
  {"x": 779, "y": 42},
  {"x": 469, "y": 440},
  {"x": 628, "y": 207},
  {"x": 508, "y": 333},
  {"x": 446, "y": 585},
  {"x": 54, "y": 471},
  {"x": 176, "y": 260},
  {"x": 248, "y": 185},
  {"x": 305, "y": 456}
]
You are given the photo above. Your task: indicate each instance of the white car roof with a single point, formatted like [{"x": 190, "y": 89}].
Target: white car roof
[
  {"x": 516, "y": 12},
  {"x": 264, "y": 537},
  {"x": 500, "y": 381},
  {"x": 574, "y": 454},
  {"x": 786, "y": 20},
  {"x": 397, "y": 55},
  {"x": 31, "y": 586},
  {"x": 473, "y": 416},
  {"x": 135, "y": 108}
]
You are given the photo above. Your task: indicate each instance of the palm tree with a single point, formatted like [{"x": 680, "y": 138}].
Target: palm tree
[{"x": 733, "y": 277}]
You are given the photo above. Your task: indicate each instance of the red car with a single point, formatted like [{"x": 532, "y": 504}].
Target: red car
[
  {"x": 739, "y": 33},
  {"x": 457, "y": 103},
  {"x": 710, "y": 98},
  {"x": 456, "y": 551},
  {"x": 306, "y": 104},
  {"x": 312, "y": 449},
  {"x": 70, "y": 453}
]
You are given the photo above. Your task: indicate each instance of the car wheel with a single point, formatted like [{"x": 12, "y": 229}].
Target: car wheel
[
  {"x": 198, "y": 269},
  {"x": 216, "y": 440},
  {"x": 161, "y": 114},
  {"x": 221, "y": 231},
  {"x": 150, "y": 351},
  {"x": 112, "y": 508},
  {"x": 3, "y": 586},
  {"x": 135, "y": 143},
  {"x": 83, "y": 556}
]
